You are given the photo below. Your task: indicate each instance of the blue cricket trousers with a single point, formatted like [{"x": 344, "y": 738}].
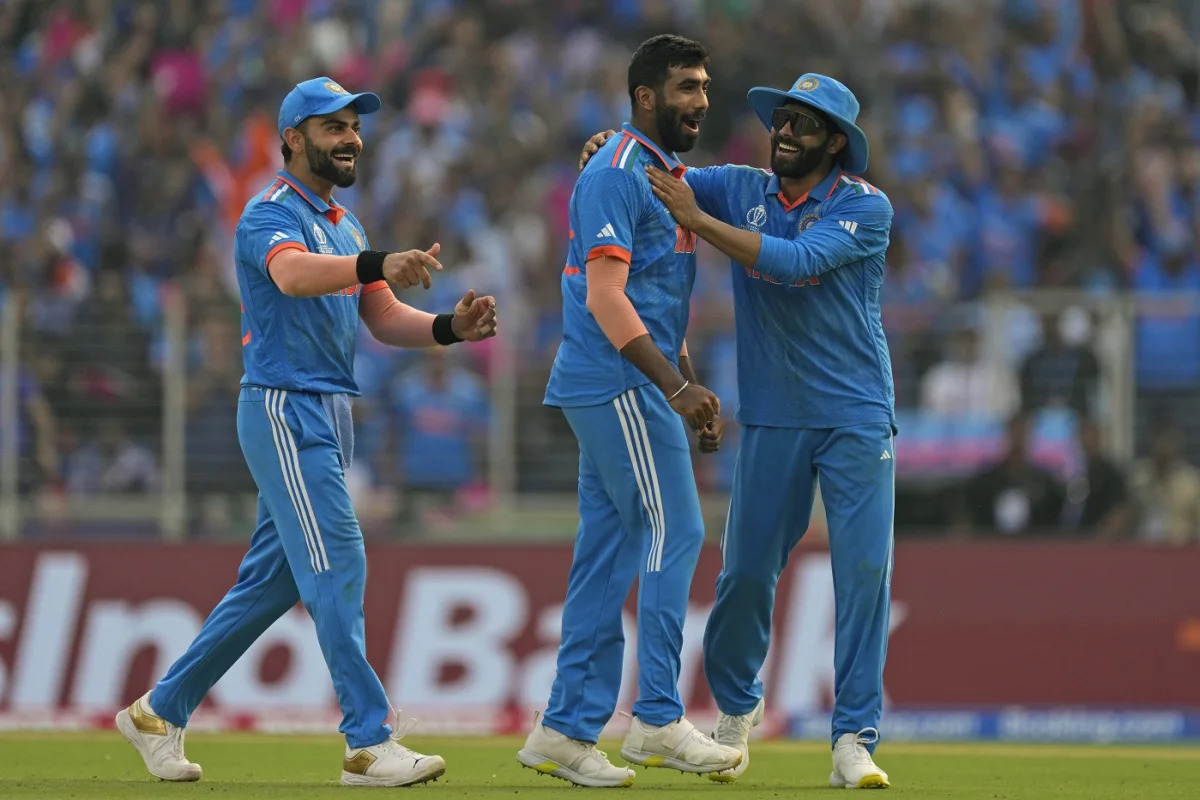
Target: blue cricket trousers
[
  {"x": 770, "y": 505},
  {"x": 639, "y": 517},
  {"x": 307, "y": 546}
]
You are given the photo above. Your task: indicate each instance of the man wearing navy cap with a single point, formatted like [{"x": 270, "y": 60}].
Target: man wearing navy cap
[
  {"x": 806, "y": 240},
  {"x": 306, "y": 278}
]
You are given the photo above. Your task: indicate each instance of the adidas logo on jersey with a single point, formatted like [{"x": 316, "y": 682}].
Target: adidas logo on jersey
[
  {"x": 886, "y": 456},
  {"x": 606, "y": 232},
  {"x": 278, "y": 237},
  {"x": 849, "y": 225}
]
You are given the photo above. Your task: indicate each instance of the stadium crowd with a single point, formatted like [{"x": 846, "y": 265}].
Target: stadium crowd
[{"x": 1048, "y": 144}]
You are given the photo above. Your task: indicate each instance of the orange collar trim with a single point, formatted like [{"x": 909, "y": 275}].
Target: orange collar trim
[{"x": 333, "y": 212}]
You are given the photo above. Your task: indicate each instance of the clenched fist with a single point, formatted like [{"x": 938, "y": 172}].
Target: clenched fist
[{"x": 696, "y": 405}]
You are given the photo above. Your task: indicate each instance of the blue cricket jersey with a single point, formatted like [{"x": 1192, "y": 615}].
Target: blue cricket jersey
[
  {"x": 810, "y": 344},
  {"x": 440, "y": 427},
  {"x": 613, "y": 212},
  {"x": 303, "y": 344}
]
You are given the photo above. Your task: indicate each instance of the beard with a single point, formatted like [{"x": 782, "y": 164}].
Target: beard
[
  {"x": 674, "y": 134},
  {"x": 798, "y": 164},
  {"x": 322, "y": 164}
]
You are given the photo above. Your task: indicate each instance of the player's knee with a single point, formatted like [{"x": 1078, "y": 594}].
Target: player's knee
[
  {"x": 750, "y": 581},
  {"x": 346, "y": 553},
  {"x": 693, "y": 534},
  {"x": 680, "y": 539},
  {"x": 871, "y": 570}
]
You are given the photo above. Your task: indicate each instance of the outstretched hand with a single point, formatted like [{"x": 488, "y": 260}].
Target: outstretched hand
[{"x": 474, "y": 317}]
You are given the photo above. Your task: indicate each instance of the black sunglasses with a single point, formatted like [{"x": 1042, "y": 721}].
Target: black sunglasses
[{"x": 802, "y": 122}]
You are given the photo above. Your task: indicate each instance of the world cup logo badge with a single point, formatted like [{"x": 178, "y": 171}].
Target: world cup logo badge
[{"x": 756, "y": 217}]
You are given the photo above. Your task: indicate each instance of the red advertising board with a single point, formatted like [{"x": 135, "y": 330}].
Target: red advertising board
[{"x": 470, "y": 631}]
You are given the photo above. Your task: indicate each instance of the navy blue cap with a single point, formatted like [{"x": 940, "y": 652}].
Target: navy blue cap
[
  {"x": 828, "y": 95},
  {"x": 321, "y": 96}
]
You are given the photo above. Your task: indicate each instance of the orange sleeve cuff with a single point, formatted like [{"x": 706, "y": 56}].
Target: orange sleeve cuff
[
  {"x": 279, "y": 248},
  {"x": 610, "y": 251},
  {"x": 374, "y": 286},
  {"x": 609, "y": 304}
]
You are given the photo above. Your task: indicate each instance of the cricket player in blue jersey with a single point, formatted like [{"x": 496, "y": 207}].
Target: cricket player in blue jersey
[
  {"x": 306, "y": 279},
  {"x": 807, "y": 241},
  {"x": 626, "y": 387}
]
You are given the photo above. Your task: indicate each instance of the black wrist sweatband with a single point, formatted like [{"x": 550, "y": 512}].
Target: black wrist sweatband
[
  {"x": 370, "y": 266},
  {"x": 443, "y": 329}
]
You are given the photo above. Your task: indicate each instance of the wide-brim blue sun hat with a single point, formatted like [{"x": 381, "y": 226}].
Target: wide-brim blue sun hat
[
  {"x": 320, "y": 96},
  {"x": 830, "y": 96}
]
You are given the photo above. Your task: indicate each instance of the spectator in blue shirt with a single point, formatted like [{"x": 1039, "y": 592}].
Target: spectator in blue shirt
[{"x": 440, "y": 420}]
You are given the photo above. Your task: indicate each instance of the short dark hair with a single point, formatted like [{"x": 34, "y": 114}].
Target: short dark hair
[
  {"x": 283, "y": 145},
  {"x": 656, "y": 56}
]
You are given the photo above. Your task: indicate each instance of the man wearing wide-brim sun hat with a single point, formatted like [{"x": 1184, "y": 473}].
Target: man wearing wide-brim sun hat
[
  {"x": 806, "y": 240},
  {"x": 833, "y": 104}
]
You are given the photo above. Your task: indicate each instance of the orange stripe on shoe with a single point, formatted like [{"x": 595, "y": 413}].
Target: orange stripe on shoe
[
  {"x": 279, "y": 248},
  {"x": 610, "y": 251}
]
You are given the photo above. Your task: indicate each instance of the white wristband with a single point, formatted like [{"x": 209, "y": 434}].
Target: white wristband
[{"x": 686, "y": 384}]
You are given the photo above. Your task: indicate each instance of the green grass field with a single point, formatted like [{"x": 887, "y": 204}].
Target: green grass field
[{"x": 252, "y": 766}]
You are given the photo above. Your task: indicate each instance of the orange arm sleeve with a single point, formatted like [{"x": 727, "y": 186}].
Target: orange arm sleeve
[
  {"x": 392, "y": 322},
  {"x": 606, "y": 299}
]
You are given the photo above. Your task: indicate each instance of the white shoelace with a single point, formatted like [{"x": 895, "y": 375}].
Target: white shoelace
[
  {"x": 733, "y": 728},
  {"x": 174, "y": 733},
  {"x": 863, "y": 738},
  {"x": 590, "y": 750},
  {"x": 593, "y": 750},
  {"x": 401, "y": 730},
  {"x": 177, "y": 744},
  {"x": 867, "y": 736}
]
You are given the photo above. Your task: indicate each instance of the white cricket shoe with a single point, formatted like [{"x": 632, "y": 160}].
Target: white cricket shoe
[
  {"x": 733, "y": 730},
  {"x": 389, "y": 763},
  {"x": 159, "y": 743},
  {"x": 553, "y": 753},
  {"x": 677, "y": 745},
  {"x": 853, "y": 767}
]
